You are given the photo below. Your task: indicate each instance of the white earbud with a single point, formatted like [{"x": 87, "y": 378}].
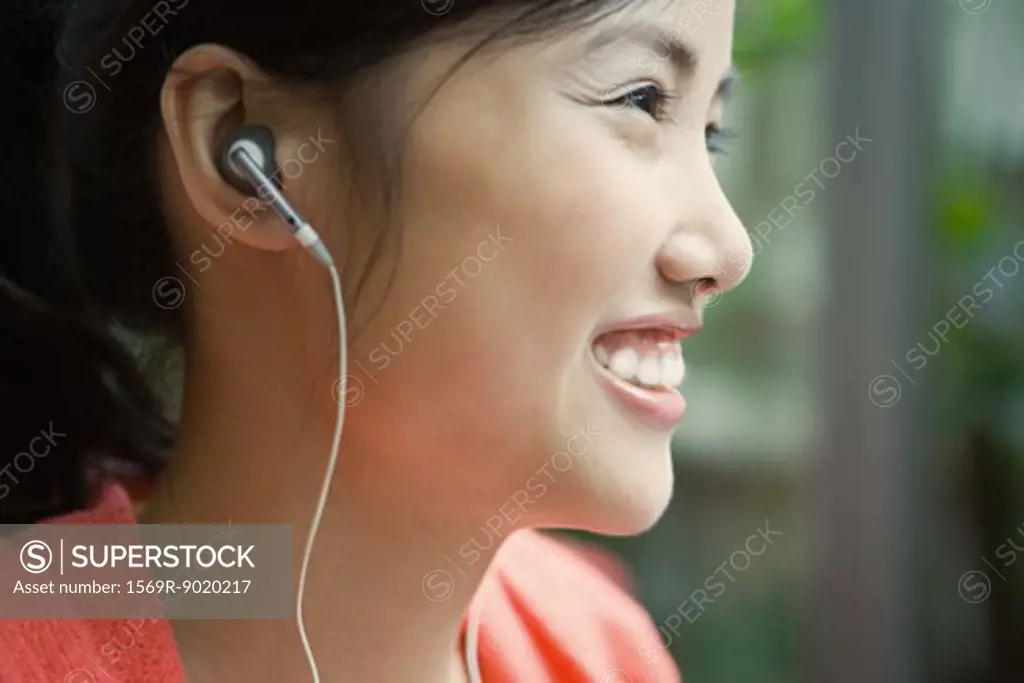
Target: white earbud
[{"x": 247, "y": 162}]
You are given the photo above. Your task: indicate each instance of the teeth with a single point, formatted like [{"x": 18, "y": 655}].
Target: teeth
[
  {"x": 624, "y": 363},
  {"x": 672, "y": 370},
  {"x": 649, "y": 371},
  {"x": 660, "y": 366}
]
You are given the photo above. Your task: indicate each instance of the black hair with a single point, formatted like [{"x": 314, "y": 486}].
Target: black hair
[{"x": 84, "y": 240}]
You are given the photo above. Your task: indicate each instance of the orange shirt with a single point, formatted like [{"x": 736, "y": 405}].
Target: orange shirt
[{"x": 549, "y": 613}]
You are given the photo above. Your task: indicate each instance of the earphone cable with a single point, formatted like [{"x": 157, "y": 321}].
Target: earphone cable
[
  {"x": 472, "y": 643},
  {"x": 339, "y": 306},
  {"x": 249, "y": 173}
]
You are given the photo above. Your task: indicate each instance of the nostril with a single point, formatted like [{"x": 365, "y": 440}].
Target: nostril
[
  {"x": 705, "y": 292},
  {"x": 705, "y": 286}
]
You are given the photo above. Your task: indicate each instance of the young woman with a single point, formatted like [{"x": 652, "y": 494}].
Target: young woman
[{"x": 521, "y": 201}]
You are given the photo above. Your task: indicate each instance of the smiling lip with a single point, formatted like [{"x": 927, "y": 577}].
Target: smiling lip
[
  {"x": 661, "y": 408},
  {"x": 681, "y": 327}
]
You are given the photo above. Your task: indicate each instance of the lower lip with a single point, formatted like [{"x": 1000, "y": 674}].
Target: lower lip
[{"x": 660, "y": 408}]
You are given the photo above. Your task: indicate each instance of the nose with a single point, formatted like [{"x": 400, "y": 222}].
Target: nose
[{"x": 709, "y": 250}]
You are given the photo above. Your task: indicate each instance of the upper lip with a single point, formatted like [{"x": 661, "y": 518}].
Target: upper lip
[{"x": 681, "y": 323}]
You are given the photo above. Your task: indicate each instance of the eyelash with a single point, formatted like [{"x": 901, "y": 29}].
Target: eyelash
[
  {"x": 661, "y": 100},
  {"x": 714, "y": 134}
]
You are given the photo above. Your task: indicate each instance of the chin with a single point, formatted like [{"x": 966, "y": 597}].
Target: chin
[
  {"x": 635, "y": 512},
  {"x": 623, "y": 492}
]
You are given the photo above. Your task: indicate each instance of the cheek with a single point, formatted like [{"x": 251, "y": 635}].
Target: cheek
[
  {"x": 585, "y": 209},
  {"x": 579, "y": 218},
  {"x": 593, "y": 223}
]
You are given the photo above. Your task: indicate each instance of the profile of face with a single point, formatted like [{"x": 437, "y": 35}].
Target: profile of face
[{"x": 513, "y": 342}]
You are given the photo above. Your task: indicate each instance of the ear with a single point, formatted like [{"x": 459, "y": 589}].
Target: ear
[{"x": 210, "y": 91}]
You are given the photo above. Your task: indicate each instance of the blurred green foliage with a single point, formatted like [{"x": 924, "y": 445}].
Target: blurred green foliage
[
  {"x": 968, "y": 206},
  {"x": 770, "y": 30}
]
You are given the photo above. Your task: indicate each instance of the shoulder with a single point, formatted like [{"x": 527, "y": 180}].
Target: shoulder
[
  {"x": 84, "y": 650},
  {"x": 554, "y": 610},
  {"x": 87, "y": 650}
]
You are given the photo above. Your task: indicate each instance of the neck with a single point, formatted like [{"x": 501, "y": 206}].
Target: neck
[{"x": 254, "y": 443}]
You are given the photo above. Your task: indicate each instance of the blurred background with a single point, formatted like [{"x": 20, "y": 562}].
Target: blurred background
[{"x": 850, "y": 477}]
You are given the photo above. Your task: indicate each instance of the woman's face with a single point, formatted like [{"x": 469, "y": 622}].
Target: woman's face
[{"x": 548, "y": 197}]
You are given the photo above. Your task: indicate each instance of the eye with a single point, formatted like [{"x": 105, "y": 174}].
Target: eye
[
  {"x": 716, "y": 136},
  {"x": 649, "y": 98}
]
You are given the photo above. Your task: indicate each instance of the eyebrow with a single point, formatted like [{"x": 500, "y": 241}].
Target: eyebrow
[{"x": 682, "y": 56}]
